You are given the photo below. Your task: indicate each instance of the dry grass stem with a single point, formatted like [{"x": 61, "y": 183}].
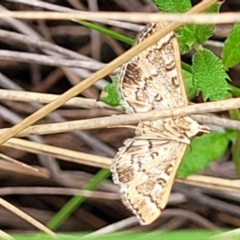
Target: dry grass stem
[
  {"x": 49, "y": 60},
  {"x": 204, "y": 18},
  {"x": 59, "y": 153},
  {"x": 211, "y": 183},
  {"x": 26, "y": 217},
  {"x": 77, "y": 102},
  {"x": 58, "y": 191},
  {"x": 5, "y": 235},
  {"x": 23, "y": 165},
  {"x": 126, "y": 119},
  {"x": 217, "y": 121}
]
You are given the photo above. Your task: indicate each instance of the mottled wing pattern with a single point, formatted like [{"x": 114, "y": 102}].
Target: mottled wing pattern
[
  {"x": 152, "y": 79},
  {"x": 146, "y": 171},
  {"x": 146, "y": 165}
]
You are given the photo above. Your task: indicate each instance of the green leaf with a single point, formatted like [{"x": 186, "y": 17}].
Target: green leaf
[
  {"x": 203, "y": 32},
  {"x": 173, "y": 5},
  {"x": 185, "y": 36},
  {"x": 190, "y": 34},
  {"x": 202, "y": 151},
  {"x": 188, "y": 82},
  {"x": 109, "y": 94},
  {"x": 209, "y": 75},
  {"x": 185, "y": 33},
  {"x": 231, "y": 49}
]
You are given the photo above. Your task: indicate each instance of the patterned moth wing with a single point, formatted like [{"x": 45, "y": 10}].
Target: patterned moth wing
[
  {"x": 146, "y": 165},
  {"x": 144, "y": 169},
  {"x": 152, "y": 79}
]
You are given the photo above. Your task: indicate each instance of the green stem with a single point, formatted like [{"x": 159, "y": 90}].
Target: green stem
[
  {"x": 76, "y": 201},
  {"x": 235, "y": 91},
  {"x": 186, "y": 67},
  {"x": 106, "y": 31},
  {"x": 198, "y": 47}
]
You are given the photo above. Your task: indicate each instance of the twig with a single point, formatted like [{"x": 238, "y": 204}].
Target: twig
[
  {"x": 31, "y": 97},
  {"x": 211, "y": 182},
  {"x": 5, "y": 236},
  {"x": 58, "y": 191},
  {"x": 54, "y": 7},
  {"x": 76, "y": 102},
  {"x": 49, "y": 60},
  {"x": 126, "y": 119},
  {"x": 60, "y": 153},
  {"x": 26, "y": 217},
  {"x": 193, "y": 217},
  {"x": 128, "y": 222},
  {"x": 217, "y": 121},
  {"x": 220, "y": 205},
  {"x": 21, "y": 164},
  {"x": 204, "y": 18},
  {"x": 35, "y": 42}
]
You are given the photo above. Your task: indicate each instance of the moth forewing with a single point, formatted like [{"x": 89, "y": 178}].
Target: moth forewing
[
  {"x": 180, "y": 151},
  {"x": 179, "y": 70}
]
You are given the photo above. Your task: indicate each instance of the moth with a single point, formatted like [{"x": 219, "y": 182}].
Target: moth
[{"x": 145, "y": 167}]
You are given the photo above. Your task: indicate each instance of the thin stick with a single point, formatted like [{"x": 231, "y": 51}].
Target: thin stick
[
  {"x": 215, "y": 121},
  {"x": 36, "y": 58},
  {"x": 5, "y": 236},
  {"x": 21, "y": 164},
  {"x": 98, "y": 75},
  {"x": 126, "y": 119},
  {"x": 4, "y": 191},
  {"x": 26, "y": 217},
  {"x": 13, "y": 168},
  {"x": 211, "y": 182},
  {"x": 77, "y": 102},
  {"x": 57, "y": 8},
  {"x": 59, "y": 153},
  {"x": 204, "y": 18}
]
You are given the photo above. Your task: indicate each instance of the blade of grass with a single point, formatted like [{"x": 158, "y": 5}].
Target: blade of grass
[
  {"x": 106, "y": 31},
  {"x": 76, "y": 201}
]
